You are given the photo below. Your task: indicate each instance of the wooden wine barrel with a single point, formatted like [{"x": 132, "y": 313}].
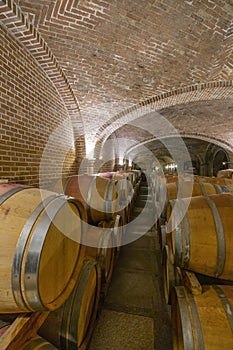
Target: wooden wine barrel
[
  {"x": 226, "y": 184},
  {"x": 71, "y": 326},
  {"x": 123, "y": 186},
  {"x": 160, "y": 194},
  {"x": 202, "y": 241},
  {"x": 131, "y": 176},
  {"x": 122, "y": 190},
  {"x": 136, "y": 177},
  {"x": 171, "y": 274},
  {"x": 97, "y": 194},
  {"x": 136, "y": 190},
  {"x": 198, "y": 178},
  {"x": 166, "y": 240},
  {"x": 124, "y": 203},
  {"x": 171, "y": 178},
  {"x": 185, "y": 189},
  {"x": 107, "y": 174},
  {"x": 225, "y": 173},
  {"x": 127, "y": 214},
  {"x": 100, "y": 246},
  {"x": 191, "y": 189},
  {"x": 138, "y": 174},
  {"x": 122, "y": 220},
  {"x": 40, "y": 254},
  {"x": 118, "y": 232},
  {"x": 129, "y": 180},
  {"x": 116, "y": 226},
  {"x": 202, "y": 321},
  {"x": 38, "y": 343},
  {"x": 214, "y": 180}
]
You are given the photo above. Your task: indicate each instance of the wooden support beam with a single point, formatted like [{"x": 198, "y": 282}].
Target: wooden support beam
[
  {"x": 190, "y": 281},
  {"x": 23, "y": 329}
]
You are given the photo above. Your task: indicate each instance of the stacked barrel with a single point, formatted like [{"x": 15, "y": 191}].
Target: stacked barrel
[
  {"x": 57, "y": 255},
  {"x": 196, "y": 238},
  {"x": 127, "y": 184},
  {"x": 225, "y": 174},
  {"x": 108, "y": 200}
]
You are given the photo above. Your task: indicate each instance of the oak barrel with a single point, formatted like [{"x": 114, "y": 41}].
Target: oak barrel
[
  {"x": 116, "y": 226},
  {"x": 40, "y": 254},
  {"x": 123, "y": 187},
  {"x": 100, "y": 246},
  {"x": 125, "y": 180},
  {"x": 225, "y": 183},
  {"x": 203, "y": 321},
  {"x": 97, "y": 194},
  {"x": 162, "y": 235},
  {"x": 171, "y": 274},
  {"x": 199, "y": 178},
  {"x": 171, "y": 178},
  {"x": 191, "y": 189},
  {"x": 222, "y": 181},
  {"x": 225, "y": 173},
  {"x": 107, "y": 174},
  {"x": 202, "y": 241},
  {"x": 71, "y": 326},
  {"x": 131, "y": 176},
  {"x": 38, "y": 343},
  {"x": 186, "y": 189}
]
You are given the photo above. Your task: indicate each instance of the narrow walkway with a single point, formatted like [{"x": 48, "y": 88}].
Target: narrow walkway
[{"x": 134, "y": 315}]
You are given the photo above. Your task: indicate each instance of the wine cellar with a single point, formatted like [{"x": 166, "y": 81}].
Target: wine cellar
[{"x": 116, "y": 176}]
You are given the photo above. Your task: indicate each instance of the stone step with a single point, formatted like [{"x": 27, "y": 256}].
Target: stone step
[
  {"x": 137, "y": 209},
  {"x": 144, "y": 196},
  {"x": 142, "y": 202},
  {"x": 143, "y": 190}
]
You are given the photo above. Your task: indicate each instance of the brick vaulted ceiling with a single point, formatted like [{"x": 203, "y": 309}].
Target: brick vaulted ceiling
[{"x": 119, "y": 53}]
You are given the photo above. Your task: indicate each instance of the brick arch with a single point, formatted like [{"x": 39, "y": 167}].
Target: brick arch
[
  {"x": 210, "y": 155},
  {"x": 204, "y": 137},
  {"x": 198, "y": 92},
  {"x": 212, "y": 149}
]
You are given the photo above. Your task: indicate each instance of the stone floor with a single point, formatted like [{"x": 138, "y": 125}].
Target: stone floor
[{"x": 134, "y": 315}]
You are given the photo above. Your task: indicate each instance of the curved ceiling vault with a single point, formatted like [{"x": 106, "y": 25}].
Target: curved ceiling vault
[{"x": 119, "y": 56}]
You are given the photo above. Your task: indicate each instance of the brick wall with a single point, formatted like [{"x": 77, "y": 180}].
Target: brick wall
[
  {"x": 120, "y": 65},
  {"x": 31, "y": 112}
]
